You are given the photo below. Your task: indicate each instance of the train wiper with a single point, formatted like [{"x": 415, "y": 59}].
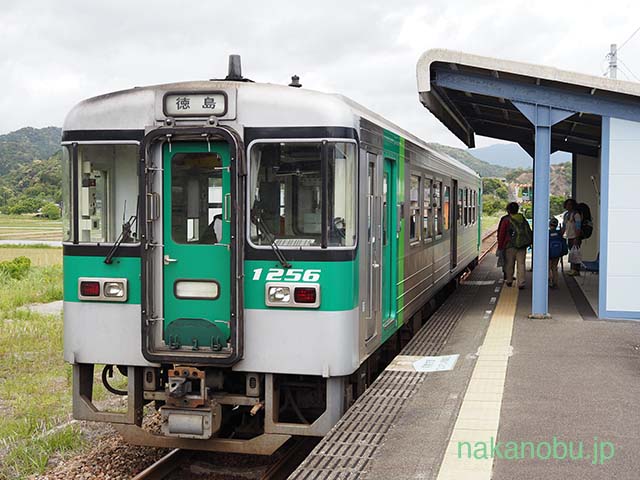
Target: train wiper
[
  {"x": 256, "y": 217},
  {"x": 125, "y": 235}
]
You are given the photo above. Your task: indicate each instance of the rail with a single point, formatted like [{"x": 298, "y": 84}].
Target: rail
[
  {"x": 293, "y": 456},
  {"x": 488, "y": 243},
  {"x": 164, "y": 466},
  {"x": 286, "y": 461}
]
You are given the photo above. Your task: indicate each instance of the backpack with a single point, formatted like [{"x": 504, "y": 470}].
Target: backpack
[
  {"x": 520, "y": 231},
  {"x": 557, "y": 245},
  {"x": 586, "y": 228}
]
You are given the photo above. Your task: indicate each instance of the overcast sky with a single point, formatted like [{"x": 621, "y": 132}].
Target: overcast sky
[{"x": 55, "y": 53}]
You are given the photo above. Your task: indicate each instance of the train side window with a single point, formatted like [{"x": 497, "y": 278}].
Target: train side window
[
  {"x": 466, "y": 207},
  {"x": 474, "y": 210},
  {"x": 385, "y": 219},
  {"x": 437, "y": 201},
  {"x": 446, "y": 208},
  {"x": 461, "y": 206},
  {"x": 414, "y": 211},
  {"x": 427, "y": 204}
]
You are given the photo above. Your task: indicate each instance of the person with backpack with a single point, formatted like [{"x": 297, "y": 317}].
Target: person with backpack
[
  {"x": 514, "y": 237},
  {"x": 557, "y": 249},
  {"x": 571, "y": 230}
]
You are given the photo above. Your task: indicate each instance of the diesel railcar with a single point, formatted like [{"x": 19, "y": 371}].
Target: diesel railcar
[{"x": 242, "y": 253}]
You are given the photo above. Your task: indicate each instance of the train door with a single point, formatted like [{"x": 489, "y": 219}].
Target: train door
[
  {"x": 388, "y": 241},
  {"x": 453, "y": 222},
  {"x": 197, "y": 253},
  {"x": 373, "y": 253}
]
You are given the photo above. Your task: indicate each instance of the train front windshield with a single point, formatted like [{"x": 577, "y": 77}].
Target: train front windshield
[
  {"x": 106, "y": 192},
  {"x": 303, "y": 195}
]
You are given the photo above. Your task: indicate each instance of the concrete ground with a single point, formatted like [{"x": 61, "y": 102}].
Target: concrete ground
[
  {"x": 51, "y": 308},
  {"x": 573, "y": 379}
]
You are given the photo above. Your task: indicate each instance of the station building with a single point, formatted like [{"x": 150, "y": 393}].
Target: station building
[{"x": 544, "y": 110}]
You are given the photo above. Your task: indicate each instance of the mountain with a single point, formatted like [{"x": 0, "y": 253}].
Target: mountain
[
  {"x": 513, "y": 156},
  {"x": 30, "y": 169},
  {"x": 484, "y": 168},
  {"x": 24, "y": 145}
]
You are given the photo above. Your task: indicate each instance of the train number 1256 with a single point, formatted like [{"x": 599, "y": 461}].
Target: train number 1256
[{"x": 291, "y": 275}]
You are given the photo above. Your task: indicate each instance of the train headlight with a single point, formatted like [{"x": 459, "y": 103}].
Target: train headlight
[
  {"x": 292, "y": 295},
  {"x": 114, "y": 289},
  {"x": 102, "y": 289},
  {"x": 279, "y": 294}
]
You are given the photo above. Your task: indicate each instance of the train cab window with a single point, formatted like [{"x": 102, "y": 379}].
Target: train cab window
[
  {"x": 446, "y": 214},
  {"x": 288, "y": 203},
  {"x": 107, "y": 190},
  {"x": 196, "y": 198},
  {"x": 414, "y": 209},
  {"x": 427, "y": 205},
  {"x": 437, "y": 201},
  {"x": 67, "y": 187}
]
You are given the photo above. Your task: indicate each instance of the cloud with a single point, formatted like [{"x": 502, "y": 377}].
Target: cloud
[{"x": 54, "y": 54}]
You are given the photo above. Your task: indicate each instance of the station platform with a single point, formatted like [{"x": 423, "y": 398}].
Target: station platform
[{"x": 520, "y": 390}]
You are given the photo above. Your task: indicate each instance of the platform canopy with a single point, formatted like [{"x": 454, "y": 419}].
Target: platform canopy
[
  {"x": 481, "y": 105},
  {"x": 543, "y": 109}
]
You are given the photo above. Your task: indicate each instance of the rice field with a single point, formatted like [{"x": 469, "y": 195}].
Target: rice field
[{"x": 29, "y": 227}]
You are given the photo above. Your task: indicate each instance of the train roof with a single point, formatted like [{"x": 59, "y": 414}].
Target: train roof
[{"x": 271, "y": 105}]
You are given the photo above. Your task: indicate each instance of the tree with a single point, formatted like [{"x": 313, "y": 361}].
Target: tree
[
  {"x": 495, "y": 187},
  {"x": 556, "y": 205},
  {"x": 50, "y": 211}
]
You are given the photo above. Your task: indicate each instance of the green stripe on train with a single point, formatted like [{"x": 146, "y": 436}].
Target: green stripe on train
[
  {"x": 80, "y": 266},
  {"x": 338, "y": 282}
]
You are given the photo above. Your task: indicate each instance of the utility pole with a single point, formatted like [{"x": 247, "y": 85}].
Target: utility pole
[{"x": 613, "y": 61}]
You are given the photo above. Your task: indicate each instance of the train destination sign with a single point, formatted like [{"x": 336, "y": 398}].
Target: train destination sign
[{"x": 195, "y": 104}]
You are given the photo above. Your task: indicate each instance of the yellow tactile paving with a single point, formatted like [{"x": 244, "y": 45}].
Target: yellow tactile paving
[{"x": 479, "y": 414}]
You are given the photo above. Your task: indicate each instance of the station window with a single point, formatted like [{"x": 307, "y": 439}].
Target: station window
[
  {"x": 437, "y": 200},
  {"x": 427, "y": 204},
  {"x": 287, "y": 195},
  {"x": 107, "y": 192},
  {"x": 414, "y": 209},
  {"x": 446, "y": 213}
]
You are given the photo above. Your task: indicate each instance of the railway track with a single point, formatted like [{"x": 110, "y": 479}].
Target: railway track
[
  {"x": 489, "y": 242},
  {"x": 285, "y": 462},
  {"x": 293, "y": 453},
  {"x": 164, "y": 466}
]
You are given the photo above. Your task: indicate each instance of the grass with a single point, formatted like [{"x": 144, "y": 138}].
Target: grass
[
  {"x": 490, "y": 221},
  {"x": 40, "y": 255},
  {"x": 29, "y": 227},
  {"x": 35, "y": 382}
]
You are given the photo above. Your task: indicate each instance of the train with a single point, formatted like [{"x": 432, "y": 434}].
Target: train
[{"x": 243, "y": 254}]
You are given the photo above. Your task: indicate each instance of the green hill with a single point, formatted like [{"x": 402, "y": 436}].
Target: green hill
[
  {"x": 483, "y": 168},
  {"x": 30, "y": 169},
  {"x": 24, "y": 145}
]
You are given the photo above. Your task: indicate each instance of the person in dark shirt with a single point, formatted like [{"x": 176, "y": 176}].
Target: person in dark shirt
[{"x": 514, "y": 237}]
